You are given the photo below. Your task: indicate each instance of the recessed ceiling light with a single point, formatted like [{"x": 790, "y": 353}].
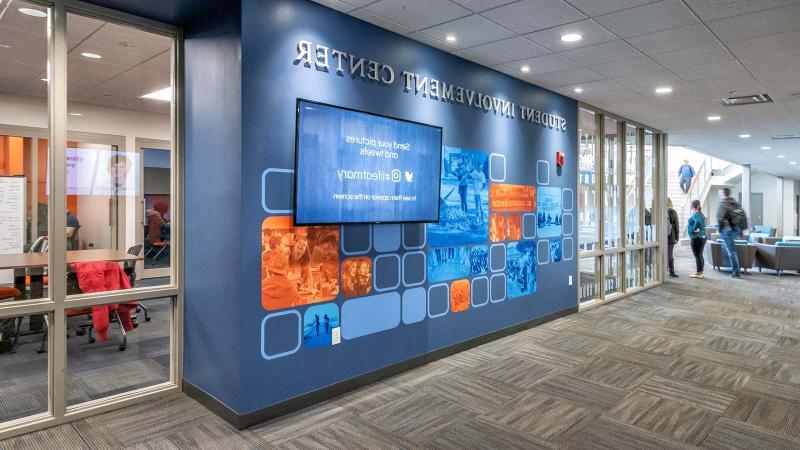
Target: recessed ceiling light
[
  {"x": 744, "y": 136},
  {"x": 75, "y": 114},
  {"x": 45, "y": 80},
  {"x": 5, "y": 46},
  {"x": 450, "y": 38},
  {"x": 525, "y": 69},
  {"x": 91, "y": 55},
  {"x": 571, "y": 37},
  {"x": 781, "y": 156},
  {"x": 714, "y": 118},
  {"x": 32, "y": 12},
  {"x": 578, "y": 90},
  {"x": 792, "y": 163},
  {"x": 127, "y": 44},
  {"x": 165, "y": 95},
  {"x": 766, "y": 147},
  {"x": 663, "y": 90}
]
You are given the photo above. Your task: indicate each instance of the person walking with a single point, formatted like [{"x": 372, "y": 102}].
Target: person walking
[
  {"x": 729, "y": 229},
  {"x": 696, "y": 228},
  {"x": 672, "y": 237},
  {"x": 685, "y": 175}
]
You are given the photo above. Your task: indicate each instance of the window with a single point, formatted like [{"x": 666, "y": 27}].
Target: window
[
  {"x": 611, "y": 175},
  {"x": 96, "y": 187},
  {"x": 650, "y": 177},
  {"x": 632, "y": 175},
  {"x": 587, "y": 181}
]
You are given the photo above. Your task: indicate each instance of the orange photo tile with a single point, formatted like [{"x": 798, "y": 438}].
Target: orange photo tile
[
  {"x": 512, "y": 198},
  {"x": 356, "y": 276},
  {"x": 299, "y": 265},
  {"x": 459, "y": 296},
  {"x": 514, "y": 227},
  {"x": 497, "y": 228}
]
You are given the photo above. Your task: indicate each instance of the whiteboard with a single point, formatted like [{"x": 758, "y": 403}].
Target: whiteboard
[{"x": 12, "y": 220}]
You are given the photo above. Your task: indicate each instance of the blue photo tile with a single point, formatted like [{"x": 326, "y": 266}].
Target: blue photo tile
[
  {"x": 280, "y": 185},
  {"x": 438, "y": 300},
  {"x": 414, "y": 235},
  {"x": 479, "y": 259},
  {"x": 567, "y": 224},
  {"x": 497, "y": 257},
  {"x": 414, "y": 268},
  {"x": 414, "y": 305},
  {"x": 555, "y": 250},
  {"x": 386, "y": 237},
  {"x": 548, "y": 212},
  {"x": 497, "y": 288},
  {"x": 281, "y": 334},
  {"x": 497, "y": 167},
  {"x": 318, "y": 324},
  {"x": 356, "y": 239},
  {"x": 567, "y": 199},
  {"x": 542, "y": 173},
  {"x": 568, "y": 249},
  {"x": 387, "y": 272},
  {"x": 448, "y": 263},
  {"x": 543, "y": 251},
  {"x": 480, "y": 291},
  {"x": 529, "y": 226}
]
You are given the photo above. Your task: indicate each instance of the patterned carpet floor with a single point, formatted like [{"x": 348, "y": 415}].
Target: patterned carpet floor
[{"x": 711, "y": 363}]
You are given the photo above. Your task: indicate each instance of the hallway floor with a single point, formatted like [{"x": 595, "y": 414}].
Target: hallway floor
[{"x": 713, "y": 363}]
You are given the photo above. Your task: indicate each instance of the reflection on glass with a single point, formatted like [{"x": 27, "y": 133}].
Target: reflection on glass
[
  {"x": 23, "y": 99},
  {"x": 613, "y": 278},
  {"x": 587, "y": 187},
  {"x": 118, "y": 187},
  {"x": 649, "y": 188},
  {"x": 650, "y": 265},
  {"x": 633, "y": 269},
  {"x": 631, "y": 186},
  {"x": 96, "y": 367},
  {"x": 611, "y": 163},
  {"x": 589, "y": 288},
  {"x": 23, "y": 365}
]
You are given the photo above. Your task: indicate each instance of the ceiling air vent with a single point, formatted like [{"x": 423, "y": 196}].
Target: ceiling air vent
[
  {"x": 785, "y": 137},
  {"x": 747, "y": 100}
]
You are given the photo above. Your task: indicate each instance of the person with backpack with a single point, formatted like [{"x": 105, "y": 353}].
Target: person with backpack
[
  {"x": 696, "y": 228},
  {"x": 673, "y": 237},
  {"x": 732, "y": 220}
]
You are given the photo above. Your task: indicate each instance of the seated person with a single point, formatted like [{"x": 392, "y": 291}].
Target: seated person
[
  {"x": 277, "y": 291},
  {"x": 155, "y": 220},
  {"x": 73, "y": 225}
]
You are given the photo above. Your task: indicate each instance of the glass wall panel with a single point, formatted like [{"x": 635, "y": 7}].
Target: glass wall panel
[
  {"x": 23, "y": 106},
  {"x": 650, "y": 183},
  {"x": 589, "y": 288},
  {"x": 96, "y": 367},
  {"x": 117, "y": 191},
  {"x": 650, "y": 265},
  {"x": 23, "y": 369},
  {"x": 611, "y": 164},
  {"x": 588, "y": 223},
  {"x": 613, "y": 276},
  {"x": 633, "y": 269},
  {"x": 632, "y": 179}
]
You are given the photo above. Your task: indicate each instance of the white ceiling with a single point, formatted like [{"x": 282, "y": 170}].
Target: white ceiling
[
  {"x": 704, "y": 49},
  {"x": 133, "y": 62}
]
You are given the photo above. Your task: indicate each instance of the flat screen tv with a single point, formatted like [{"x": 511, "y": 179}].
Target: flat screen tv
[{"x": 356, "y": 167}]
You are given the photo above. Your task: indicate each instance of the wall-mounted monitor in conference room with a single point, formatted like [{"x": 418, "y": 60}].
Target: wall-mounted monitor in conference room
[{"x": 356, "y": 167}]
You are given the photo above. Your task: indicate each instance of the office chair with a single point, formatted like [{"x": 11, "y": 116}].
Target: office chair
[{"x": 130, "y": 270}]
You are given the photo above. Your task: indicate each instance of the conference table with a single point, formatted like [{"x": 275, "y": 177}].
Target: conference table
[{"x": 33, "y": 264}]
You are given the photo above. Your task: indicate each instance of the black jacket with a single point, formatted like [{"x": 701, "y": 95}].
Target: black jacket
[
  {"x": 726, "y": 207},
  {"x": 674, "y": 228}
]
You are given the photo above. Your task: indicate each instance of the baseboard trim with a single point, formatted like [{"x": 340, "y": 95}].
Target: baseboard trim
[{"x": 242, "y": 421}]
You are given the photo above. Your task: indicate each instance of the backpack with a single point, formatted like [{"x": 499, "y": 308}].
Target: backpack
[{"x": 737, "y": 218}]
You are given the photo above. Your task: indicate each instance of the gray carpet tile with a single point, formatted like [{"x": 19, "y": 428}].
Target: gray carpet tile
[{"x": 711, "y": 363}]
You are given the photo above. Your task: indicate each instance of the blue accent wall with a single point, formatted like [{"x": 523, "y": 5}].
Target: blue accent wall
[
  {"x": 232, "y": 186},
  {"x": 213, "y": 205}
]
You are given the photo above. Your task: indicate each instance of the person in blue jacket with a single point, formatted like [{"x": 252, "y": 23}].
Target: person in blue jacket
[
  {"x": 685, "y": 175},
  {"x": 696, "y": 228}
]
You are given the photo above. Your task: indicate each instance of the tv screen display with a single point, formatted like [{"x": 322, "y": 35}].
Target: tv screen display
[{"x": 356, "y": 167}]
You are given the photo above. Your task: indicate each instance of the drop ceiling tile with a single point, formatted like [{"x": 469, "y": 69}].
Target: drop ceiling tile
[
  {"x": 338, "y": 5},
  {"x": 763, "y": 23},
  {"x": 720, "y": 9},
  {"x": 469, "y": 31},
  {"x": 772, "y": 44},
  {"x": 469, "y": 56},
  {"x": 675, "y": 39},
  {"x": 711, "y": 70},
  {"x": 544, "y": 64},
  {"x": 649, "y": 18},
  {"x": 687, "y": 58},
  {"x": 592, "y": 33},
  {"x": 433, "y": 42},
  {"x": 648, "y": 80},
  {"x": 482, "y": 5},
  {"x": 569, "y": 76},
  {"x": 633, "y": 66},
  {"x": 382, "y": 22},
  {"x": 527, "y": 16},
  {"x": 417, "y": 14},
  {"x": 509, "y": 71},
  {"x": 599, "y": 7},
  {"x": 731, "y": 83},
  {"x": 507, "y": 50},
  {"x": 602, "y": 53}
]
